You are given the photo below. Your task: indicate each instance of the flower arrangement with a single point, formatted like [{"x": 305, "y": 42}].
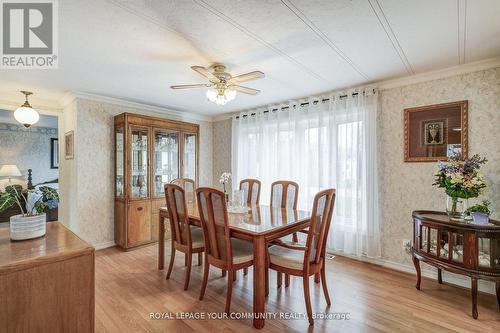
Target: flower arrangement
[
  {"x": 224, "y": 179},
  {"x": 460, "y": 179}
]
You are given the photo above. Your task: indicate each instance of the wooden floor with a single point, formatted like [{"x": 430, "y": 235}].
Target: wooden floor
[{"x": 129, "y": 287}]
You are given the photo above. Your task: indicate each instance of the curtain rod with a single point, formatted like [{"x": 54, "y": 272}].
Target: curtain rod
[{"x": 286, "y": 107}]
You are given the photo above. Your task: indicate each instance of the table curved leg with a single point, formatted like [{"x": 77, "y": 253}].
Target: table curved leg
[
  {"x": 498, "y": 293},
  {"x": 416, "y": 262},
  {"x": 474, "y": 297}
]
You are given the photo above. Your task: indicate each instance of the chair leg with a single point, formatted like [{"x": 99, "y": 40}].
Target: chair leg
[
  {"x": 171, "y": 265},
  {"x": 234, "y": 275},
  {"x": 185, "y": 260},
  {"x": 280, "y": 279},
  {"x": 205, "y": 279},
  {"x": 308, "y": 299},
  {"x": 245, "y": 271},
  {"x": 295, "y": 238},
  {"x": 188, "y": 270},
  {"x": 200, "y": 260},
  {"x": 229, "y": 290},
  {"x": 287, "y": 280},
  {"x": 323, "y": 283},
  {"x": 223, "y": 273},
  {"x": 316, "y": 277}
]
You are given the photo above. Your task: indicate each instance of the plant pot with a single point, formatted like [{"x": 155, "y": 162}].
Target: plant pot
[
  {"x": 456, "y": 207},
  {"x": 480, "y": 218},
  {"x": 27, "y": 227}
]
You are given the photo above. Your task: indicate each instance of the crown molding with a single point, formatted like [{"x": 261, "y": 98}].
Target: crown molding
[
  {"x": 438, "y": 74},
  {"x": 152, "y": 109},
  {"x": 410, "y": 79}
]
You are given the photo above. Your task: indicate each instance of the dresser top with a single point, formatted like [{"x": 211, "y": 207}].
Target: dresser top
[
  {"x": 443, "y": 218},
  {"x": 58, "y": 244}
]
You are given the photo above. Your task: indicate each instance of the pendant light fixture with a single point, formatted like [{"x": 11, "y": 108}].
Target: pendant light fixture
[{"x": 25, "y": 114}]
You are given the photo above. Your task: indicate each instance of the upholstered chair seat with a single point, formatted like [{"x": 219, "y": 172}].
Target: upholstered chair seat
[
  {"x": 242, "y": 251},
  {"x": 197, "y": 237},
  {"x": 285, "y": 257}
]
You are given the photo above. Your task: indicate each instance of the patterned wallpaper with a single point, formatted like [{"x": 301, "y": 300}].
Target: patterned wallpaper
[
  {"x": 404, "y": 187},
  {"x": 94, "y": 167},
  {"x": 222, "y": 150},
  {"x": 28, "y": 148}
]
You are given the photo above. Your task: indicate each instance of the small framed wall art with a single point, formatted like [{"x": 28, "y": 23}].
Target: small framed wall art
[
  {"x": 69, "y": 145},
  {"x": 435, "y": 132}
]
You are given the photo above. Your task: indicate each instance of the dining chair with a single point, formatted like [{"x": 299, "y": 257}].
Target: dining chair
[
  {"x": 284, "y": 194},
  {"x": 222, "y": 251},
  {"x": 186, "y": 238},
  {"x": 251, "y": 191},
  {"x": 188, "y": 185},
  {"x": 251, "y": 195},
  {"x": 307, "y": 259}
]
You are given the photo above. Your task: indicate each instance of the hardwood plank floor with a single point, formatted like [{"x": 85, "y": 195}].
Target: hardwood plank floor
[{"x": 129, "y": 287}]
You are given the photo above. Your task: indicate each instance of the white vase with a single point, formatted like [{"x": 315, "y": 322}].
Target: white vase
[{"x": 27, "y": 227}]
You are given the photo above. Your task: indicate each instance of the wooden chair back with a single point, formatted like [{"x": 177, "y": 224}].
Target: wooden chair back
[
  {"x": 213, "y": 216},
  {"x": 284, "y": 194},
  {"x": 178, "y": 214},
  {"x": 251, "y": 191},
  {"x": 319, "y": 226},
  {"x": 188, "y": 185}
]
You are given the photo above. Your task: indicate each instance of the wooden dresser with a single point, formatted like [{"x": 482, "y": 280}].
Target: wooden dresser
[{"x": 46, "y": 284}]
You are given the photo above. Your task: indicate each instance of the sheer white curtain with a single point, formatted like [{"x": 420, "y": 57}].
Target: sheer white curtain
[{"x": 321, "y": 145}]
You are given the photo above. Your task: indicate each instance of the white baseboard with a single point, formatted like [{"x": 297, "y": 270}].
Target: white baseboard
[
  {"x": 427, "y": 271},
  {"x": 104, "y": 245}
]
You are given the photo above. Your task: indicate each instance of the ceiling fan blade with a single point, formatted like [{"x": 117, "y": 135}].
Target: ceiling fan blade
[
  {"x": 188, "y": 86},
  {"x": 247, "y": 77},
  {"x": 244, "y": 90},
  {"x": 206, "y": 73}
]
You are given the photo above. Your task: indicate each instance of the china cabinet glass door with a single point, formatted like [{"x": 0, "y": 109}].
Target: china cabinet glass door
[
  {"x": 139, "y": 162},
  {"x": 119, "y": 151},
  {"x": 165, "y": 159},
  {"x": 488, "y": 250},
  {"x": 189, "y": 166}
]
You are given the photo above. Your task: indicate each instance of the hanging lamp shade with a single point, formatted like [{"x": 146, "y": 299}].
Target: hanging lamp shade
[{"x": 25, "y": 114}]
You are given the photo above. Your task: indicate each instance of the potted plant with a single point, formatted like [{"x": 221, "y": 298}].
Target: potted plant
[
  {"x": 31, "y": 222},
  {"x": 480, "y": 212},
  {"x": 461, "y": 180},
  {"x": 224, "y": 179}
]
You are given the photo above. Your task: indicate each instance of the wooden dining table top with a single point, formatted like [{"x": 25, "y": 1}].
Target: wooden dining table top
[{"x": 259, "y": 219}]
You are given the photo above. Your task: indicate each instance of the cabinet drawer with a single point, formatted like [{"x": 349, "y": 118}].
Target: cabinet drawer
[
  {"x": 154, "y": 225},
  {"x": 156, "y": 204},
  {"x": 139, "y": 222}
]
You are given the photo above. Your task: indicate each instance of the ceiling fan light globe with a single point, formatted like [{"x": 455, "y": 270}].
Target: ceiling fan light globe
[
  {"x": 211, "y": 95},
  {"x": 230, "y": 94},
  {"x": 26, "y": 116}
]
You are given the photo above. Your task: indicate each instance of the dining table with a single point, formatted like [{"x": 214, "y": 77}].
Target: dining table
[{"x": 259, "y": 224}]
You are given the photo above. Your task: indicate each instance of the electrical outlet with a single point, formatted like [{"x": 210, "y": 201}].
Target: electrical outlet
[{"x": 407, "y": 245}]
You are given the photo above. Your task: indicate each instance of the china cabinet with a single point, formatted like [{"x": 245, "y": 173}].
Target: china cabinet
[
  {"x": 459, "y": 247},
  {"x": 149, "y": 153}
]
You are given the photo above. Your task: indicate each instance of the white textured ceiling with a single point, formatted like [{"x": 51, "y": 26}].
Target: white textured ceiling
[{"x": 136, "y": 49}]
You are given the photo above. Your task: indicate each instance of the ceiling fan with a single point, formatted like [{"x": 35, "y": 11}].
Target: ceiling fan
[{"x": 222, "y": 85}]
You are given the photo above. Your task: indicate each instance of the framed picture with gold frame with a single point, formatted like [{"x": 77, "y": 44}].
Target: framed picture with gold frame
[{"x": 435, "y": 132}]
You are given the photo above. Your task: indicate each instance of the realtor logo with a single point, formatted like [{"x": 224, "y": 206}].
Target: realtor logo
[{"x": 29, "y": 34}]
